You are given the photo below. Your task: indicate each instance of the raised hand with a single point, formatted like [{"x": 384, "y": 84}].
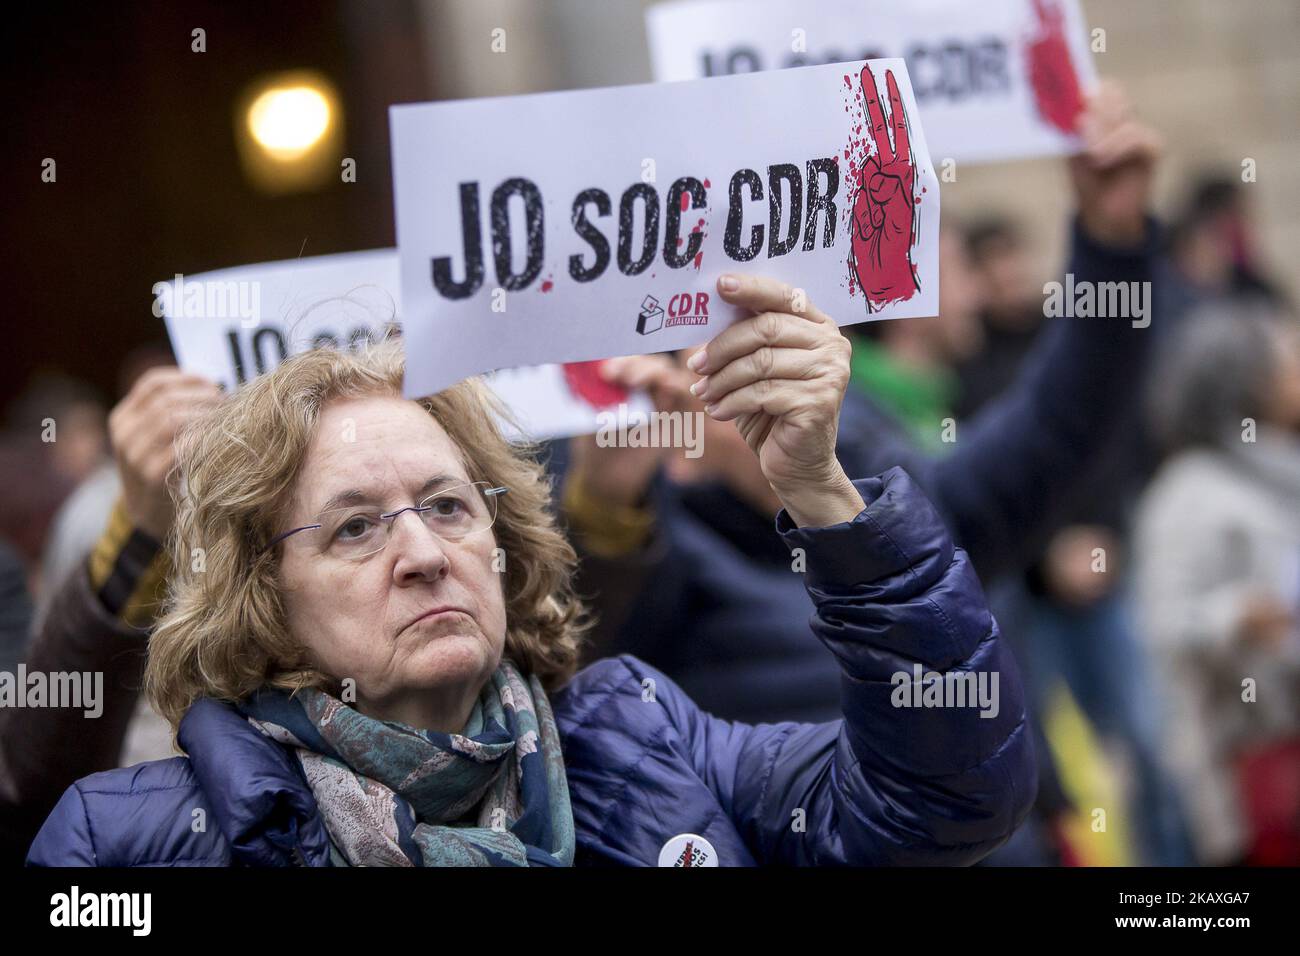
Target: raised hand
[
  {"x": 143, "y": 428},
  {"x": 781, "y": 375},
  {"x": 1051, "y": 72},
  {"x": 1113, "y": 174},
  {"x": 884, "y": 208}
]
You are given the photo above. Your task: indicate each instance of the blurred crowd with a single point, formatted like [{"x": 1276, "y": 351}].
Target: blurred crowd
[{"x": 1129, "y": 496}]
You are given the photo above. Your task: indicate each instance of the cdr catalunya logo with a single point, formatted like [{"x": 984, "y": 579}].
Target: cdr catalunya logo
[{"x": 685, "y": 308}]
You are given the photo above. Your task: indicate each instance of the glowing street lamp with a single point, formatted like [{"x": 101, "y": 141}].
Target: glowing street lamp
[{"x": 288, "y": 127}]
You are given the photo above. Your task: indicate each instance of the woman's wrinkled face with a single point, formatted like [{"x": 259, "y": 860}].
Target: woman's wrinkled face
[{"x": 420, "y": 626}]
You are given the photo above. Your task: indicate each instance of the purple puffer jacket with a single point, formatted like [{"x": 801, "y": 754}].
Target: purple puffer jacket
[{"x": 888, "y": 784}]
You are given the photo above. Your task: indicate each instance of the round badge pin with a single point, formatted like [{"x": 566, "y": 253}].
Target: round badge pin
[{"x": 688, "y": 849}]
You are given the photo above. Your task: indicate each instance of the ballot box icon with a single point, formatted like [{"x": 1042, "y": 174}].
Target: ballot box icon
[{"x": 651, "y": 318}]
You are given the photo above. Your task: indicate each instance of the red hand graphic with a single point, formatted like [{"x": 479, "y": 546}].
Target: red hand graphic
[
  {"x": 884, "y": 208},
  {"x": 1051, "y": 72},
  {"x": 584, "y": 382}
]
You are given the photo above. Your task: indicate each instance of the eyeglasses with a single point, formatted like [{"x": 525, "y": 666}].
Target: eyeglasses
[{"x": 356, "y": 532}]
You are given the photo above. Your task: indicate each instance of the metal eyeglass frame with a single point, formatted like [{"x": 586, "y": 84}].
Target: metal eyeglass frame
[{"x": 417, "y": 508}]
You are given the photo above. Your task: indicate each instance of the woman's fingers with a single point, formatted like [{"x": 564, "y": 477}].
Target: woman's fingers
[
  {"x": 765, "y": 294},
  {"x": 771, "y": 329},
  {"x": 762, "y": 363},
  {"x": 772, "y": 362},
  {"x": 768, "y": 396}
]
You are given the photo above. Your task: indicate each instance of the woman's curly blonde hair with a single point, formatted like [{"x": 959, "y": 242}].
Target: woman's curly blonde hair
[{"x": 223, "y": 633}]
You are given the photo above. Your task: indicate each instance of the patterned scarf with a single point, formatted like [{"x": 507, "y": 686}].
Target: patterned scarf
[{"x": 493, "y": 795}]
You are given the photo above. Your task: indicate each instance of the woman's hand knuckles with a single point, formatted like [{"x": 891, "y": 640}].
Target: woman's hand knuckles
[
  {"x": 762, "y": 361},
  {"x": 768, "y": 326}
]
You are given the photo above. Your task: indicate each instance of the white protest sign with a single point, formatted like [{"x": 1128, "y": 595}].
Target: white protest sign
[
  {"x": 994, "y": 80},
  {"x": 563, "y": 227},
  {"x": 234, "y": 324}
]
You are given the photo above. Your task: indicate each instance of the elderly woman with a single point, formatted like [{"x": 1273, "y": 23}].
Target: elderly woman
[{"x": 369, "y": 652}]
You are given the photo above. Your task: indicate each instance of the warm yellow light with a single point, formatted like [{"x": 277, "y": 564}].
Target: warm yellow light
[
  {"x": 289, "y": 121},
  {"x": 289, "y": 131}
]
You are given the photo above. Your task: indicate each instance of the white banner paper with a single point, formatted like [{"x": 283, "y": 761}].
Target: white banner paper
[
  {"x": 994, "y": 79},
  {"x": 234, "y": 324},
  {"x": 565, "y": 227}
]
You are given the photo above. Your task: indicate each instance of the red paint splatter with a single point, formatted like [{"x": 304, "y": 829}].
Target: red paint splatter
[
  {"x": 707, "y": 184},
  {"x": 547, "y": 285},
  {"x": 699, "y": 259},
  {"x": 686, "y": 201}
]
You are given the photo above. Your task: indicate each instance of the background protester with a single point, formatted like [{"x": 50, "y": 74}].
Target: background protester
[
  {"x": 420, "y": 730},
  {"x": 907, "y": 367},
  {"x": 42, "y": 749},
  {"x": 1214, "y": 247},
  {"x": 1068, "y": 611},
  {"x": 1218, "y": 551},
  {"x": 1010, "y": 314},
  {"x": 98, "y": 618},
  {"x": 81, "y": 519}
]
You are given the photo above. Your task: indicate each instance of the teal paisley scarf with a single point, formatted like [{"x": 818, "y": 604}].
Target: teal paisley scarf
[{"x": 391, "y": 795}]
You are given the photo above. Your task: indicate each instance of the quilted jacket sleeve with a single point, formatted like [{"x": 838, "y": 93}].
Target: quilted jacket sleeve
[
  {"x": 65, "y": 839},
  {"x": 896, "y": 781},
  {"x": 152, "y": 814}
]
